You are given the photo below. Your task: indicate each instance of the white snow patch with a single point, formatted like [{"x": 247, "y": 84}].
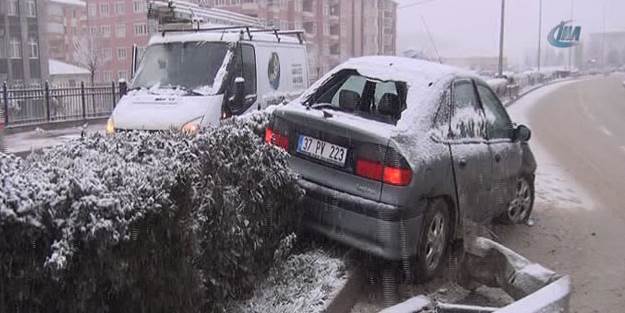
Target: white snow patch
[
  {"x": 303, "y": 283},
  {"x": 57, "y": 67},
  {"x": 605, "y": 130}
]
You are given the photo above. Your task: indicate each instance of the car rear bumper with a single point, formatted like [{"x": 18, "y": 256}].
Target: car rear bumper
[{"x": 384, "y": 230}]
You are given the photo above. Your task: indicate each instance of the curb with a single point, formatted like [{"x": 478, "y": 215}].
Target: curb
[{"x": 346, "y": 297}]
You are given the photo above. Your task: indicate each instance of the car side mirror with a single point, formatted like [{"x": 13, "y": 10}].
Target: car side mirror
[
  {"x": 236, "y": 101},
  {"x": 239, "y": 87},
  {"x": 522, "y": 133}
]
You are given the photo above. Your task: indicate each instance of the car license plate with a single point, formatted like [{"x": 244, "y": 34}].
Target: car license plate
[{"x": 322, "y": 150}]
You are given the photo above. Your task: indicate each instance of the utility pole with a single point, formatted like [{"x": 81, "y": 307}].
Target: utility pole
[
  {"x": 540, "y": 32},
  {"x": 571, "y": 49},
  {"x": 503, "y": 11}
]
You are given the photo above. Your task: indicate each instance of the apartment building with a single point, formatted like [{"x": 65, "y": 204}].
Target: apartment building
[
  {"x": 23, "y": 55},
  {"x": 117, "y": 25},
  {"x": 66, "y": 21},
  {"x": 335, "y": 29}
]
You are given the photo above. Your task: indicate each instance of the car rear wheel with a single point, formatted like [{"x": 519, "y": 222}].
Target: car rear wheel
[
  {"x": 434, "y": 240},
  {"x": 520, "y": 208}
]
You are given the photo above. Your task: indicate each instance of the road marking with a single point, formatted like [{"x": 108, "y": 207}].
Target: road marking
[{"x": 605, "y": 130}]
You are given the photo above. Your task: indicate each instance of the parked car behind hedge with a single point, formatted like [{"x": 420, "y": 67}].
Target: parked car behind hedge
[{"x": 395, "y": 154}]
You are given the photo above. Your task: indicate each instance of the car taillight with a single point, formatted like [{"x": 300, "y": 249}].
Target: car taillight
[
  {"x": 394, "y": 170},
  {"x": 276, "y": 138}
]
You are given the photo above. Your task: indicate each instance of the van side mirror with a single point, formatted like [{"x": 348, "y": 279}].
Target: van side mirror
[
  {"x": 236, "y": 102},
  {"x": 521, "y": 133}
]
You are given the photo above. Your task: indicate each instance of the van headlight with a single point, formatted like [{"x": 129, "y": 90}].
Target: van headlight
[
  {"x": 110, "y": 126},
  {"x": 192, "y": 127}
]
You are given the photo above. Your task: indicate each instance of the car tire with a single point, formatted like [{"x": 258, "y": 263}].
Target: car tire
[
  {"x": 434, "y": 241},
  {"x": 520, "y": 208}
]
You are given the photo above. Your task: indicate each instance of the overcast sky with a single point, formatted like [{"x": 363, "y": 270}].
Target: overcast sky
[{"x": 471, "y": 27}]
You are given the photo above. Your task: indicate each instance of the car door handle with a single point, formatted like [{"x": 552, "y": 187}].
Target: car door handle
[
  {"x": 497, "y": 157},
  {"x": 462, "y": 162}
]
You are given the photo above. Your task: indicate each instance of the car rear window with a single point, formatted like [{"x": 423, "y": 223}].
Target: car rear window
[{"x": 367, "y": 97}]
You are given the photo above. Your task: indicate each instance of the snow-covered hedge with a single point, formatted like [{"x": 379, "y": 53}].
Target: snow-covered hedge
[{"x": 142, "y": 222}]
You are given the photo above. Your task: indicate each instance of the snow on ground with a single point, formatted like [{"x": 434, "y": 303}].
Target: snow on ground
[
  {"x": 554, "y": 184},
  {"x": 24, "y": 142},
  {"x": 305, "y": 283}
]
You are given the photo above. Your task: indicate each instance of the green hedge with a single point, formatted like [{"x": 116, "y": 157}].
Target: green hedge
[{"x": 143, "y": 222}]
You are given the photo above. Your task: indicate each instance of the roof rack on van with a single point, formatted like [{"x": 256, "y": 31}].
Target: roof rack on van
[{"x": 249, "y": 29}]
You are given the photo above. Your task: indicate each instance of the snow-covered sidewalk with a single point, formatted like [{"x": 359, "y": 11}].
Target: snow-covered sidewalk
[{"x": 22, "y": 143}]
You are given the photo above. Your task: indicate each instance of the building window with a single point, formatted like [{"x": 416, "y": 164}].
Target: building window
[
  {"x": 120, "y": 8},
  {"x": 106, "y": 76},
  {"x": 122, "y": 75},
  {"x": 2, "y": 48},
  {"x": 33, "y": 48},
  {"x": 120, "y": 30},
  {"x": 104, "y": 9},
  {"x": 13, "y": 8},
  {"x": 106, "y": 54},
  {"x": 93, "y": 30},
  {"x": 93, "y": 10},
  {"x": 121, "y": 53},
  {"x": 309, "y": 27},
  {"x": 31, "y": 8},
  {"x": 138, "y": 6},
  {"x": 308, "y": 6},
  {"x": 141, "y": 29},
  {"x": 15, "y": 49},
  {"x": 105, "y": 30}
]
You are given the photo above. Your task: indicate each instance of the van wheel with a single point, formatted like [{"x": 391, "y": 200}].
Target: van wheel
[
  {"x": 433, "y": 244},
  {"x": 520, "y": 208}
]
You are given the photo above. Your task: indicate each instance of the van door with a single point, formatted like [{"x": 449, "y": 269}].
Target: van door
[
  {"x": 243, "y": 66},
  {"x": 470, "y": 152}
]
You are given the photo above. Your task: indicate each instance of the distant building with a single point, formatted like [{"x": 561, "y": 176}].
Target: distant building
[
  {"x": 335, "y": 30},
  {"x": 66, "y": 21},
  {"x": 478, "y": 64},
  {"x": 606, "y": 48},
  {"x": 23, "y": 55}
]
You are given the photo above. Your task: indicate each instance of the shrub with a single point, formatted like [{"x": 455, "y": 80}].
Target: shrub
[{"x": 151, "y": 222}]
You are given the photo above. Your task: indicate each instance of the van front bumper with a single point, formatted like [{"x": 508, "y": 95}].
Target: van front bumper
[{"x": 384, "y": 230}]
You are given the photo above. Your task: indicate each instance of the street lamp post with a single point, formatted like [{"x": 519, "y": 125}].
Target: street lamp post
[
  {"x": 540, "y": 32},
  {"x": 501, "y": 34}
]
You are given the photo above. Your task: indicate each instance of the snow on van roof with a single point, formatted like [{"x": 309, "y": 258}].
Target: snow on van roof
[{"x": 213, "y": 35}]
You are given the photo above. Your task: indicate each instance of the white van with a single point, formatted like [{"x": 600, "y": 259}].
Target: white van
[{"x": 189, "y": 79}]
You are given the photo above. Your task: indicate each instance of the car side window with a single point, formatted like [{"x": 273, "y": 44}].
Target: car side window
[
  {"x": 498, "y": 124},
  {"x": 248, "y": 58},
  {"x": 467, "y": 119}
]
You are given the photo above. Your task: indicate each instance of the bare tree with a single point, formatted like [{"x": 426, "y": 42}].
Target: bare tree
[{"x": 87, "y": 53}]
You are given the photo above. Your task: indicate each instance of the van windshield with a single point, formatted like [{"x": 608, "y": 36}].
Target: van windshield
[{"x": 192, "y": 66}]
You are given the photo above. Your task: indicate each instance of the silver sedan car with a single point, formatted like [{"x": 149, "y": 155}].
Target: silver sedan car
[{"x": 396, "y": 155}]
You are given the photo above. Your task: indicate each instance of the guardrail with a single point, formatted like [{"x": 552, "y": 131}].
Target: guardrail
[
  {"x": 535, "y": 288},
  {"x": 48, "y": 103}
]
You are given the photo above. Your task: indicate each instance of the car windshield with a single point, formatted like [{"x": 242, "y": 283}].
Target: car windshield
[
  {"x": 188, "y": 65},
  {"x": 351, "y": 92}
]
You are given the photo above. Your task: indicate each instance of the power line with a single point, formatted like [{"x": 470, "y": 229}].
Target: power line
[
  {"x": 427, "y": 29},
  {"x": 415, "y": 4}
]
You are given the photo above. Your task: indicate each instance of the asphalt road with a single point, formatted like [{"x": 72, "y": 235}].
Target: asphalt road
[{"x": 579, "y": 136}]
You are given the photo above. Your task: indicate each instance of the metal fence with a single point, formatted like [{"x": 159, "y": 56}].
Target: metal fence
[{"x": 50, "y": 103}]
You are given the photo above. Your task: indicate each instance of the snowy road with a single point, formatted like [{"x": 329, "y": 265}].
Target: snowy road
[{"x": 579, "y": 142}]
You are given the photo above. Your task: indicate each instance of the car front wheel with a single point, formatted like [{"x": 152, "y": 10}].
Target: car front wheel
[{"x": 434, "y": 240}]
